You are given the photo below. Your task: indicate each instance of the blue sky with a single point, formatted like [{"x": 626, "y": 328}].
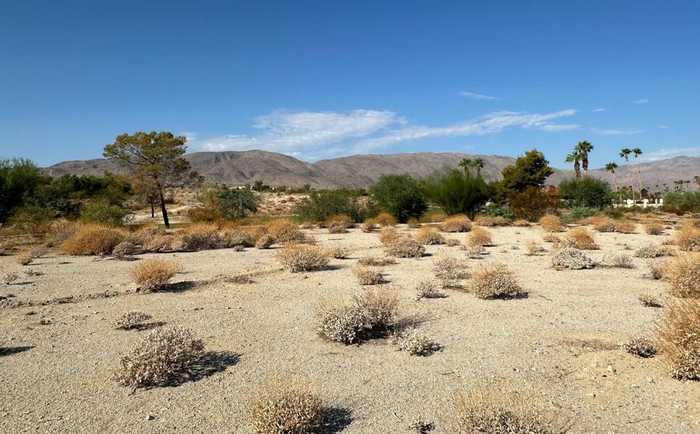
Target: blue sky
[{"x": 319, "y": 79}]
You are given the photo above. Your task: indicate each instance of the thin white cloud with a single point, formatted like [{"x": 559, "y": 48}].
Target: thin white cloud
[
  {"x": 478, "y": 96},
  {"x": 641, "y": 101},
  {"x": 663, "y": 127},
  {"x": 615, "y": 132},
  {"x": 663, "y": 154},
  {"x": 599, "y": 109},
  {"x": 315, "y": 135}
]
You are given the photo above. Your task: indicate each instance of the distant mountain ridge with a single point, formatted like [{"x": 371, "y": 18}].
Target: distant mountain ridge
[{"x": 246, "y": 167}]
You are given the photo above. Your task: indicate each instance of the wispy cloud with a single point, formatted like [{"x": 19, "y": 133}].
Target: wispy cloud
[
  {"x": 663, "y": 127},
  {"x": 615, "y": 132},
  {"x": 599, "y": 109},
  {"x": 640, "y": 101},
  {"x": 478, "y": 96},
  {"x": 316, "y": 135},
  {"x": 663, "y": 154}
]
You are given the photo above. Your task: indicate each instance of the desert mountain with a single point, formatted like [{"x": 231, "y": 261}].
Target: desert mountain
[{"x": 245, "y": 167}]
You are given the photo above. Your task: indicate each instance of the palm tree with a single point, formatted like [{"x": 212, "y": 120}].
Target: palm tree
[
  {"x": 575, "y": 158},
  {"x": 625, "y": 153},
  {"x": 465, "y": 164},
  {"x": 610, "y": 167},
  {"x": 697, "y": 180},
  {"x": 637, "y": 152},
  {"x": 478, "y": 163},
  {"x": 583, "y": 149}
]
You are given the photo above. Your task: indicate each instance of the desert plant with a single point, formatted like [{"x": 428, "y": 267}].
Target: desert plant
[
  {"x": 367, "y": 276},
  {"x": 449, "y": 271},
  {"x": 640, "y": 347},
  {"x": 285, "y": 405},
  {"x": 603, "y": 224},
  {"x": 368, "y": 226},
  {"x": 683, "y": 275},
  {"x": 337, "y": 228},
  {"x": 678, "y": 338},
  {"x": 521, "y": 223},
  {"x": 533, "y": 248},
  {"x": 413, "y": 223},
  {"x": 656, "y": 269},
  {"x": 652, "y": 251},
  {"x": 475, "y": 251},
  {"x": 550, "y": 223},
  {"x": 416, "y": 343},
  {"x": 570, "y": 258},
  {"x": 160, "y": 358},
  {"x": 687, "y": 239},
  {"x": 239, "y": 237},
  {"x": 385, "y": 219},
  {"x": 153, "y": 274},
  {"x": 103, "y": 212},
  {"x": 9, "y": 277},
  {"x": 201, "y": 236},
  {"x": 479, "y": 237},
  {"x": 132, "y": 320},
  {"x": 284, "y": 231},
  {"x": 625, "y": 227},
  {"x": 337, "y": 252},
  {"x": 24, "y": 258},
  {"x": 490, "y": 221},
  {"x": 124, "y": 250},
  {"x": 618, "y": 260},
  {"x": 388, "y": 235},
  {"x": 429, "y": 236},
  {"x": 532, "y": 203},
  {"x": 649, "y": 300},
  {"x": 581, "y": 239},
  {"x": 400, "y": 195},
  {"x": 320, "y": 205},
  {"x": 264, "y": 242},
  {"x": 495, "y": 281},
  {"x": 428, "y": 289},
  {"x": 297, "y": 258},
  {"x": 234, "y": 203},
  {"x": 654, "y": 228},
  {"x": 374, "y": 261},
  {"x": 92, "y": 239},
  {"x": 405, "y": 248},
  {"x": 451, "y": 242},
  {"x": 456, "y": 223},
  {"x": 457, "y": 191},
  {"x": 585, "y": 192}
]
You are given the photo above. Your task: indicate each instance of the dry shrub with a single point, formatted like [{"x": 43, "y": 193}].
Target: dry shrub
[
  {"x": 521, "y": 223},
  {"x": 550, "y": 223},
  {"x": 240, "y": 237},
  {"x": 368, "y": 226},
  {"x": 93, "y": 239},
  {"x": 487, "y": 220},
  {"x": 159, "y": 243},
  {"x": 654, "y": 228},
  {"x": 337, "y": 252},
  {"x": 492, "y": 411},
  {"x": 625, "y": 227},
  {"x": 337, "y": 228},
  {"x": 495, "y": 281},
  {"x": 678, "y": 338},
  {"x": 456, "y": 223},
  {"x": 369, "y": 314},
  {"x": 374, "y": 261},
  {"x": 9, "y": 277},
  {"x": 475, "y": 251},
  {"x": 582, "y": 239},
  {"x": 683, "y": 274},
  {"x": 640, "y": 347},
  {"x": 618, "y": 260},
  {"x": 297, "y": 258},
  {"x": 413, "y": 223},
  {"x": 551, "y": 238},
  {"x": 433, "y": 217},
  {"x": 283, "y": 405},
  {"x": 284, "y": 231},
  {"x": 201, "y": 236},
  {"x": 572, "y": 259},
  {"x": 385, "y": 219},
  {"x": 687, "y": 238},
  {"x": 428, "y": 289},
  {"x": 602, "y": 224},
  {"x": 264, "y": 242},
  {"x": 656, "y": 269},
  {"x": 367, "y": 276},
  {"x": 479, "y": 237},
  {"x": 160, "y": 358},
  {"x": 339, "y": 221},
  {"x": 429, "y": 236},
  {"x": 405, "y": 248},
  {"x": 533, "y": 248},
  {"x": 451, "y": 242},
  {"x": 306, "y": 225},
  {"x": 60, "y": 230},
  {"x": 153, "y": 274},
  {"x": 24, "y": 258},
  {"x": 125, "y": 250},
  {"x": 388, "y": 235},
  {"x": 649, "y": 300},
  {"x": 449, "y": 271},
  {"x": 132, "y": 320},
  {"x": 416, "y": 343},
  {"x": 652, "y": 251}
]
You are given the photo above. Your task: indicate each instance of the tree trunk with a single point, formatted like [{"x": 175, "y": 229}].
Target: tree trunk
[
  {"x": 153, "y": 208},
  {"x": 163, "y": 209},
  {"x": 577, "y": 169},
  {"x": 585, "y": 165}
]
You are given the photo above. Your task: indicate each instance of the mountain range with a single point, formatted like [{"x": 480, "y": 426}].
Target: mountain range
[{"x": 245, "y": 167}]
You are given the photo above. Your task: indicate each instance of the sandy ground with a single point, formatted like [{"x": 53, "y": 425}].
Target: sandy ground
[{"x": 559, "y": 343}]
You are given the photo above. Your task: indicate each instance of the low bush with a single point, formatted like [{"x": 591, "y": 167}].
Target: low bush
[
  {"x": 24, "y": 258},
  {"x": 428, "y": 289},
  {"x": 298, "y": 258},
  {"x": 687, "y": 238},
  {"x": 413, "y": 223},
  {"x": 495, "y": 281},
  {"x": 264, "y": 242},
  {"x": 416, "y": 343},
  {"x": 579, "y": 214},
  {"x": 429, "y": 236},
  {"x": 160, "y": 358},
  {"x": 475, "y": 251},
  {"x": 201, "y": 236},
  {"x": 649, "y": 300},
  {"x": 479, "y": 237},
  {"x": 683, "y": 274},
  {"x": 132, "y": 320},
  {"x": 456, "y": 223},
  {"x": 368, "y": 226},
  {"x": 240, "y": 237},
  {"x": 625, "y": 227},
  {"x": 521, "y": 223},
  {"x": 284, "y": 231},
  {"x": 374, "y": 261},
  {"x": 385, "y": 219},
  {"x": 339, "y": 221},
  {"x": 449, "y": 271},
  {"x": 581, "y": 239},
  {"x": 367, "y": 276},
  {"x": 678, "y": 338},
  {"x": 285, "y": 405},
  {"x": 656, "y": 269},
  {"x": 125, "y": 250},
  {"x": 618, "y": 260},
  {"x": 337, "y": 252},
  {"x": 654, "y": 228},
  {"x": 60, "y": 230},
  {"x": 603, "y": 224},
  {"x": 533, "y": 248},
  {"x": 490, "y": 221},
  {"x": 153, "y": 274},
  {"x": 388, "y": 236},
  {"x": 92, "y": 239},
  {"x": 572, "y": 259},
  {"x": 405, "y": 248},
  {"x": 640, "y": 347},
  {"x": 550, "y": 223},
  {"x": 652, "y": 251}
]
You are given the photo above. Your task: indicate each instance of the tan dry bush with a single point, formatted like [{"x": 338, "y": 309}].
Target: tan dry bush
[
  {"x": 284, "y": 231},
  {"x": 201, "y": 236},
  {"x": 429, "y": 236},
  {"x": 572, "y": 259},
  {"x": 618, "y": 260},
  {"x": 337, "y": 252},
  {"x": 428, "y": 289},
  {"x": 487, "y": 220},
  {"x": 625, "y": 227},
  {"x": 385, "y": 219},
  {"x": 374, "y": 261},
  {"x": 449, "y": 271},
  {"x": 581, "y": 239},
  {"x": 678, "y": 338},
  {"x": 405, "y": 248},
  {"x": 533, "y": 248},
  {"x": 159, "y": 243},
  {"x": 652, "y": 251},
  {"x": 125, "y": 250},
  {"x": 368, "y": 226},
  {"x": 388, "y": 235},
  {"x": 521, "y": 223},
  {"x": 337, "y": 228},
  {"x": 649, "y": 300},
  {"x": 339, "y": 221},
  {"x": 93, "y": 239},
  {"x": 493, "y": 411},
  {"x": 640, "y": 347},
  {"x": 282, "y": 405},
  {"x": 475, "y": 251},
  {"x": 479, "y": 237},
  {"x": 550, "y": 223},
  {"x": 495, "y": 281},
  {"x": 298, "y": 258},
  {"x": 153, "y": 274},
  {"x": 132, "y": 320},
  {"x": 687, "y": 238},
  {"x": 456, "y": 223},
  {"x": 24, "y": 258},
  {"x": 306, "y": 225},
  {"x": 683, "y": 274},
  {"x": 413, "y": 223},
  {"x": 656, "y": 269},
  {"x": 240, "y": 237},
  {"x": 602, "y": 224},
  {"x": 416, "y": 344},
  {"x": 551, "y": 238},
  {"x": 367, "y": 276},
  {"x": 60, "y": 230},
  {"x": 161, "y": 357},
  {"x": 654, "y": 228},
  {"x": 264, "y": 242}
]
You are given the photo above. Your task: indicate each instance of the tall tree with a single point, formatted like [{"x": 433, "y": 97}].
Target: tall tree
[
  {"x": 154, "y": 156},
  {"x": 465, "y": 164},
  {"x": 636, "y": 152},
  {"x": 529, "y": 170},
  {"x": 584, "y": 148},
  {"x": 574, "y": 157},
  {"x": 625, "y": 154},
  {"x": 611, "y": 167}
]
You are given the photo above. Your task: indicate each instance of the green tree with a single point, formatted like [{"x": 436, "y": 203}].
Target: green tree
[
  {"x": 400, "y": 195},
  {"x": 585, "y": 192},
  {"x": 19, "y": 180},
  {"x": 583, "y": 149},
  {"x": 612, "y": 167},
  {"x": 155, "y": 156},
  {"x": 236, "y": 203},
  {"x": 529, "y": 170},
  {"x": 457, "y": 192},
  {"x": 575, "y": 157}
]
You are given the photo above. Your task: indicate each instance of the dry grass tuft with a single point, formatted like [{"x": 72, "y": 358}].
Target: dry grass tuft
[
  {"x": 428, "y": 289},
  {"x": 456, "y": 223},
  {"x": 495, "y": 281},
  {"x": 92, "y": 239},
  {"x": 282, "y": 405},
  {"x": 416, "y": 343},
  {"x": 451, "y": 242},
  {"x": 368, "y": 276},
  {"x": 374, "y": 261},
  {"x": 132, "y": 320},
  {"x": 487, "y": 220},
  {"x": 405, "y": 248},
  {"x": 602, "y": 224},
  {"x": 654, "y": 228},
  {"x": 640, "y": 347},
  {"x": 161, "y": 357},
  {"x": 683, "y": 274},
  {"x": 652, "y": 251},
  {"x": 687, "y": 238},
  {"x": 572, "y": 259},
  {"x": 285, "y": 231},
  {"x": 413, "y": 223},
  {"x": 429, "y": 236},
  {"x": 337, "y": 252},
  {"x": 450, "y": 271},
  {"x": 153, "y": 274},
  {"x": 298, "y": 258},
  {"x": 625, "y": 227},
  {"x": 551, "y": 223},
  {"x": 678, "y": 338},
  {"x": 581, "y": 239},
  {"x": 618, "y": 260},
  {"x": 656, "y": 269},
  {"x": 649, "y": 300},
  {"x": 479, "y": 237},
  {"x": 265, "y": 242},
  {"x": 388, "y": 235},
  {"x": 385, "y": 219}
]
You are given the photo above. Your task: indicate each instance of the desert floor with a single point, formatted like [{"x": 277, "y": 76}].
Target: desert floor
[{"x": 561, "y": 344}]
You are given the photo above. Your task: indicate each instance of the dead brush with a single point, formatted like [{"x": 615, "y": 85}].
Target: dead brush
[
  {"x": 428, "y": 289},
  {"x": 654, "y": 228},
  {"x": 493, "y": 281},
  {"x": 521, "y": 223},
  {"x": 581, "y": 239},
  {"x": 652, "y": 251},
  {"x": 656, "y": 269},
  {"x": 153, "y": 274},
  {"x": 201, "y": 236},
  {"x": 416, "y": 343},
  {"x": 602, "y": 224},
  {"x": 367, "y": 276},
  {"x": 678, "y": 338},
  {"x": 618, "y": 260},
  {"x": 374, "y": 261},
  {"x": 337, "y": 252},
  {"x": 683, "y": 275},
  {"x": 60, "y": 230},
  {"x": 405, "y": 248},
  {"x": 479, "y": 237},
  {"x": 24, "y": 258},
  {"x": 640, "y": 347},
  {"x": 160, "y": 358},
  {"x": 451, "y": 242},
  {"x": 125, "y": 250},
  {"x": 285, "y": 231},
  {"x": 264, "y": 242},
  {"x": 475, "y": 251},
  {"x": 297, "y": 258},
  {"x": 92, "y": 239},
  {"x": 449, "y": 271},
  {"x": 456, "y": 223},
  {"x": 533, "y": 248},
  {"x": 550, "y": 223},
  {"x": 413, "y": 223},
  {"x": 339, "y": 222},
  {"x": 551, "y": 238},
  {"x": 285, "y": 405},
  {"x": 649, "y": 300},
  {"x": 132, "y": 320},
  {"x": 625, "y": 227},
  {"x": 368, "y": 226},
  {"x": 491, "y": 221},
  {"x": 429, "y": 236},
  {"x": 572, "y": 259},
  {"x": 385, "y": 219},
  {"x": 687, "y": 238},
  {"x": 388, "y": 235}
]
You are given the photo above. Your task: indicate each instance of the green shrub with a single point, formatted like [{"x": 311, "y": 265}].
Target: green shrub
[
  {"x": 400, "y": 195},
  {"x": 532, "y": 203},
  {"x": 585, "y": 192},
  {"x": 682, "y": 202},
  {"x": 104, "y": 213},
  {"x": 320, "y": 205},
  {"x": 457, "y": 192},
  {"x": 578, "y": 213},
  {"x": 236, "y": 204},
  {"x": 31, "y": 219}
]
